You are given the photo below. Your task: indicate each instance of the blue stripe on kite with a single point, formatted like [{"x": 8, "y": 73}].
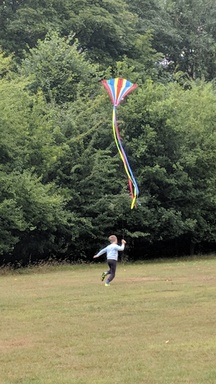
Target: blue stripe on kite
[{"x": 111, "y": 84}]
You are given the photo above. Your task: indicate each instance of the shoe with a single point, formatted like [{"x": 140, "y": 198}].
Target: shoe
[
  {"x": 107, "y": 284},
  {"x": 103, "y": 276}
]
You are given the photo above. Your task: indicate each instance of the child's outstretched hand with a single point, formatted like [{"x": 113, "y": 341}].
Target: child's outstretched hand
[{"x": 123, "y": 241}]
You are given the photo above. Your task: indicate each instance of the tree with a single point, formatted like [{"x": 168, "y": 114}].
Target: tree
[
  {"x": 194, "y": 21},
  {"x": 59, "y": 70},
  {"x": 97, "y": 26},
  {"x": 24, "y": 22},
  {"x": 87, "y": 171},
  {"x": 155, "y": 20},
  {"x": 109, "y": 29},
  {"x": 29, "y": 208},
  {"x": 173, "y": 144},
  {"x": 183, "y": 31},
  {"x": 30, "y": 216}
]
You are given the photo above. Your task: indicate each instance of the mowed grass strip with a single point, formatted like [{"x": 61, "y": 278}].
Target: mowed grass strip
[{"x": 154, "y": 324}]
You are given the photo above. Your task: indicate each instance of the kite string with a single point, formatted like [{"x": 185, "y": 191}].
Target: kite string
[
  {"x": 131, "y": 180},
  {"x": 118, "y": 146},
  {"x": 125, "y": 157}
]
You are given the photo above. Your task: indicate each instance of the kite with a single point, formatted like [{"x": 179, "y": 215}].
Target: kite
[{"x": 117, "y": 89}]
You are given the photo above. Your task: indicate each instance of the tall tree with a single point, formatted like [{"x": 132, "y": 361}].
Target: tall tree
[
  {"x": 194, "y": 22},
  {"x": 183, "y": 31},
  {"x": 87, "y": 170},
  {"x": 97, "y": 26},
  {"x": 172, "y": 140},
  {"x": 58, "y": 69},
  {"x": 154, "y": 18},
  {"x": 29, "y": 208}
]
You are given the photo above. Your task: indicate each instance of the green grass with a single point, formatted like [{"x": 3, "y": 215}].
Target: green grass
[{"x": 154, "y": 325}]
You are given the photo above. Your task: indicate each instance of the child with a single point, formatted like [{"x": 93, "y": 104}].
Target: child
[{"x": 112, "y": 257}]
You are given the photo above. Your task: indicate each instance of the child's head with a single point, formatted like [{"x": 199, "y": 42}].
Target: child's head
[{"x": 113, "y": 239}]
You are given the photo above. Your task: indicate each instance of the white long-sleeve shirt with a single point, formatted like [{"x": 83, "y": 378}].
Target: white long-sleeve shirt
[{"x": 112, "y": 251}]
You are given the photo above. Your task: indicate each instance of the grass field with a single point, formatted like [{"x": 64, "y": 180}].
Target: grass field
[{"x": 156, "y": 324}]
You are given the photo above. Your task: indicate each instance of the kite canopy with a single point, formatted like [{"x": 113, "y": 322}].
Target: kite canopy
[{"x": 118, "y": 88}]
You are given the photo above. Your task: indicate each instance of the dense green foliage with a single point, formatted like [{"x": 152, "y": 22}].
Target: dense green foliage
[{"x": 63, "y": 189}]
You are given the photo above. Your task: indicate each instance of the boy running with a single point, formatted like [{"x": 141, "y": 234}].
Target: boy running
[{"x": 112, "y": 257}]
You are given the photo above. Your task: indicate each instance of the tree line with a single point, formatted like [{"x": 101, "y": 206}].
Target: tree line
[{"x": 63, "y": 189}]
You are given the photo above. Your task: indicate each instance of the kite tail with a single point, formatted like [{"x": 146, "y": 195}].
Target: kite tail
[{"x": 134, "y": 191}]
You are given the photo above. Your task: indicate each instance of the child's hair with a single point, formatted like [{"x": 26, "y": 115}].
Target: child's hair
[{"x": 113, "y": 239}]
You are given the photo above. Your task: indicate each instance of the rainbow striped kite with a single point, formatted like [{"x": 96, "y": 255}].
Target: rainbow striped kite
[{"x": 119, "y": 88}]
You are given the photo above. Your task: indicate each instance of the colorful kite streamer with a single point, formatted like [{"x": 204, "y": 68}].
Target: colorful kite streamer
[{"x": 119, "y": 88}]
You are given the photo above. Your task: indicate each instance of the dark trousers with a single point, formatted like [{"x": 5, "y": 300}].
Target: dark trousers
[{"x": 112, "y": 269}]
